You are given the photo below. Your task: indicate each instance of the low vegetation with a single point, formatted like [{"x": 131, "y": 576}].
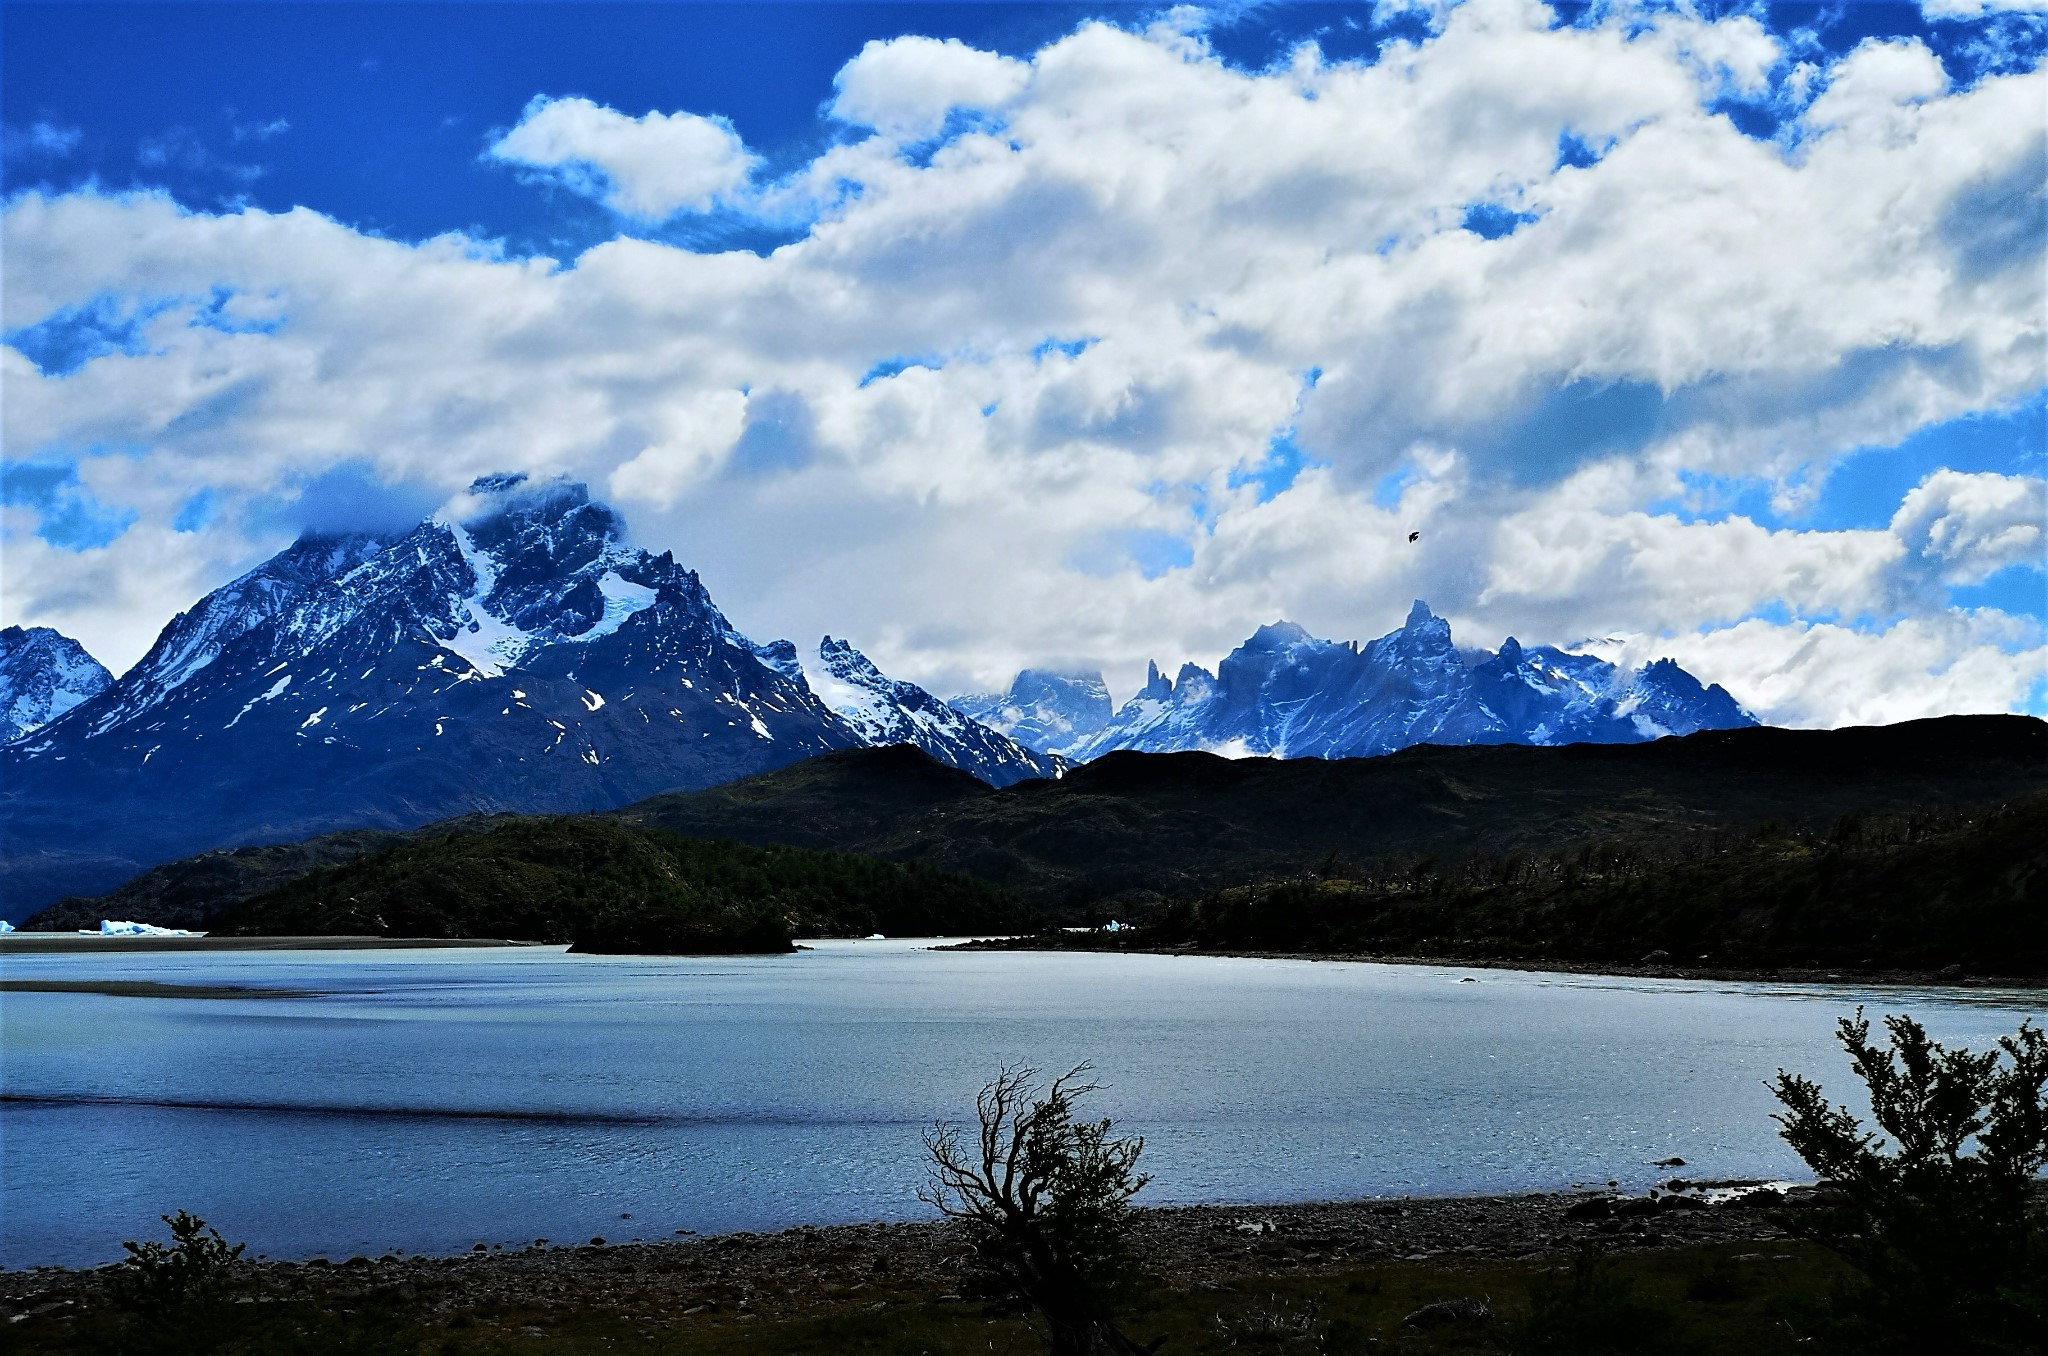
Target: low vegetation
[
  {"x": 1935, "y": 1210},
  {"x": 604, "y": 886}
]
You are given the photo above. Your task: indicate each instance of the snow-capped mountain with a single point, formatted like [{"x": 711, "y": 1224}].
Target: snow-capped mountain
[
  {"x": 887, "y": 711},
  {"x": 1045, "y": 710},
  {"x": 43, "y": 674},
  {"x": 1286, "y": 693},
  {"x": 512, "y": 654}
]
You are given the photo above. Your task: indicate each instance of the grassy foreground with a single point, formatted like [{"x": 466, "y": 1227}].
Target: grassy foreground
[{"x": 1753, "y": 1297}]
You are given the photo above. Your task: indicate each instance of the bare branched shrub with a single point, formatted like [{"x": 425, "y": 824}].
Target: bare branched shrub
[{"x": 1045, "y": 1200}]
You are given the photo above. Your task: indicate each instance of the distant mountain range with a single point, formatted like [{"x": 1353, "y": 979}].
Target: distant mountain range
[
  {"x": 1287, "y": 694},
  {"x": 513, "y": 654}
]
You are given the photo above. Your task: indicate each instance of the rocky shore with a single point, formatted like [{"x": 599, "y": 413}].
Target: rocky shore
[{"x": 1203, "y": 1247}]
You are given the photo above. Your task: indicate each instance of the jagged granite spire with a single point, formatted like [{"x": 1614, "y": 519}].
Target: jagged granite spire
[{"x": 1286, "y": 693}]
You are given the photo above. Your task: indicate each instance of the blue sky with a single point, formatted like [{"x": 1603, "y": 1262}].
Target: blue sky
[
  {"x": 1017, "y": 340},
  {"x": 375, "y": 113}
]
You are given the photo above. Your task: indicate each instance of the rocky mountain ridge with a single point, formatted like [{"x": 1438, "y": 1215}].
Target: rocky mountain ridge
[{"x": 1285, "y": 693}]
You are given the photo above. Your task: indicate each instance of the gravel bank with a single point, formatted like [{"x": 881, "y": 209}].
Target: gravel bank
[{"x": 1190, "y": 1247}]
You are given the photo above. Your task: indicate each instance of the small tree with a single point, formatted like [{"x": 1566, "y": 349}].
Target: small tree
[
  {"x": 1045, "y": 1199},
  {"x": 1942, "y": 1220},
  {"x": 176, "y": 1296}
]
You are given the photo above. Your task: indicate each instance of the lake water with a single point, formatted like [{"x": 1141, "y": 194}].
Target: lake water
[{"x": 759, "y": 1092}]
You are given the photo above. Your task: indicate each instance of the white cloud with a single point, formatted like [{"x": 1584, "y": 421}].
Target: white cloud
[
  {"x": 1098, "y": 321},
  {"x": 688, "y": 442},
  {"x": 1874, "y": 85},
  {"x": 650, "y": 167},
  {"x": 1965, "y": 528},
  {"x": 905, "y": 87},
  {"x": 1973, "y": 9},
  {"x": 1825, "y": 674}
]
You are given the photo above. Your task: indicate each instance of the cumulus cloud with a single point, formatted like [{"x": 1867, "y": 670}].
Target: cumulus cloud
[
  {"x": 1965, "y": 528},
  {"x": 1874, "y": 83},
  {"x": 905, "y": 87},
  {"x": 651, "y": 167},
  {"x": 1828, "y": 674},
  {"x": 1174, "y": 351}
]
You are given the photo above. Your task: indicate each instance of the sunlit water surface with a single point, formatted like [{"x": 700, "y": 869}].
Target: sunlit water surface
[{"x": 634, "y": 1097}]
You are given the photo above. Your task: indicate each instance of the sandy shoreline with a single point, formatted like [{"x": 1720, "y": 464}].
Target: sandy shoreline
[
  {"x": 1740, "y": 974},
  {"x": 54, "y": 943}
]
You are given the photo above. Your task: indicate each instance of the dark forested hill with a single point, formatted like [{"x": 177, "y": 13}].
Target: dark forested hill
[
  {"x": 1132, "y": 826},
  {"x": 1132, "y": 832},
  {"x": 1915, "y": 892},
  {"x": 609, "y": 887}
]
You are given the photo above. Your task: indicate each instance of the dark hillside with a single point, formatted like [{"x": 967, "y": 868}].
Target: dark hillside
[
  {"x": 1919, "y": 892},
  {"x": 610, "y": 887},
  {"x": 1132, "y": 831},
  {"x": 835, "y": 800},
  {"x": 192, "y": 891},
  {"x": 1133, "y": 825}
]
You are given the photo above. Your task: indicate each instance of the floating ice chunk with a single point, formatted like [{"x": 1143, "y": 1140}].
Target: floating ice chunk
[
  {"x": 6, "y": 926},
  {"x": 115, "y": 928},
  {"x": 876, "y": 937}
]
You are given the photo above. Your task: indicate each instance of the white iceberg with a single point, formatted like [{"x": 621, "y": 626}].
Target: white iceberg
[
  {"x": 6, "y": 926},
  {"x": 115, "y": 928}
]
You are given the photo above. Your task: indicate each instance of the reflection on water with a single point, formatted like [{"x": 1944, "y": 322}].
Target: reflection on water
[{"x": 427, "y": 1100}]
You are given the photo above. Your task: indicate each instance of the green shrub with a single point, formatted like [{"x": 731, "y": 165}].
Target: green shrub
[
  {"x": 1941, "y": 1221},
  {"x": 176, "y": 1296}
]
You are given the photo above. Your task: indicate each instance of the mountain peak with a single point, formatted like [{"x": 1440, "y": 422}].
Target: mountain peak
[
  {"x": 497, "y": 483},
  {"x": 1424, "y": 625},
  {"x": 1047, "y": 710},
  {"x": 557, "y": 518},
  {"x": 885, "y": 710},
  {"x": 43, "y": 674},
  {"x": 845, "y": 661},
  {"x": 1276, "y": 635}
]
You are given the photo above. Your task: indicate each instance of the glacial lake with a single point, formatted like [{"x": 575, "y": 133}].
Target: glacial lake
[{"x": 429, "y": 1100}]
